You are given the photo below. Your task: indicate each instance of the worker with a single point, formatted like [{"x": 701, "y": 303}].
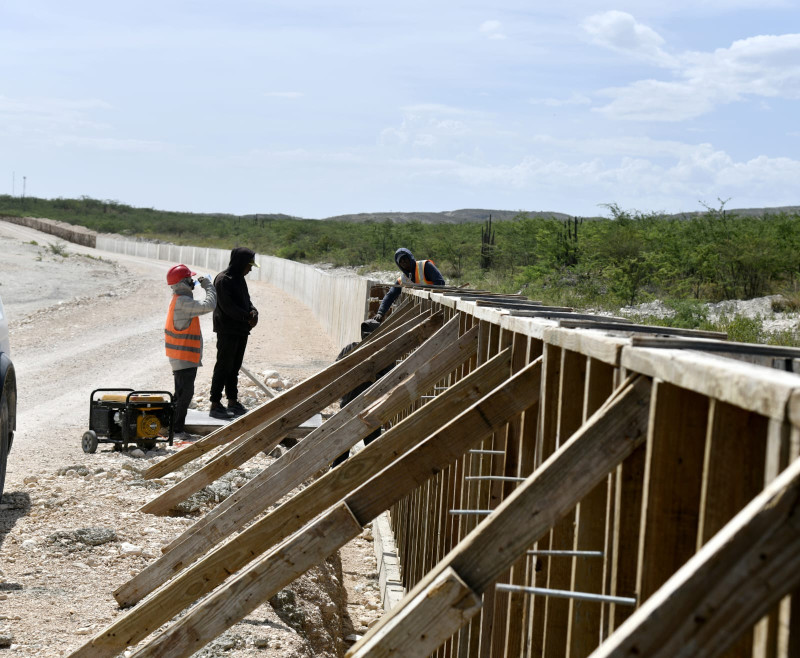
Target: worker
[
  {"x": 183, "y": 339},
  {"x": 411, "y": 271},
  {"x": 367, "y": 328},
  {"x": 234, "y": 317}
]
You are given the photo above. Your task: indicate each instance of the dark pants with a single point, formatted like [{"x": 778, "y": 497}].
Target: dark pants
[
  {"x": 230, "y": 354},
  {"x": 184, "y": 390},
  {"x": 367, "y": 440}
]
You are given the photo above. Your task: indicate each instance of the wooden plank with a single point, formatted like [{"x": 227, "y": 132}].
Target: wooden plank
[
  {"x": 574, "y": 317},
  {"x": 707, "y": 345},
  {"x": 554, "y": 489},
  {"x": 734, "y": 465},
  {"x": 673, "y": 477},
  {"x": 736, "y": 577},
  {"x": 412, "y": 634},
  {"x": 559, "y": 572},
  {"x": 628, "y": 494},
  {"x": 604, "y": 324},
  {"x": 261, "y": 385},
  {"x": 763, "y": 390},
  {"x": 583, "y": 634},
  {"x": 315, "y": 452},
  {"x": 261, "y": 416},
  {"x": 244, "y": 593},
  {"x": 383, "y": 490},
  {"x": 270, "y": 436}
]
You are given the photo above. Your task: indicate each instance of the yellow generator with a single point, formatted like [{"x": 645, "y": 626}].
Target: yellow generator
[{"x": 123, "y": 415}]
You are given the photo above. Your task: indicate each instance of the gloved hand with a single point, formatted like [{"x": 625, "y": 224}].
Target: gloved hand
[
  {"x": 252, "y": 320},
  {"x": 205, "y": 277},
  {"x": 378, "y": 317}
]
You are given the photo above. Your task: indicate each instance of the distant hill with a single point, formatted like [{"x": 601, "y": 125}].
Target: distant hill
[
  {"x": 464, "y": 216},
  {"x": 473, "y": 215}
]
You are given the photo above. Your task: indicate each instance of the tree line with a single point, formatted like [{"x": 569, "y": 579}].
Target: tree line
[{"x": 628, "y": 258}]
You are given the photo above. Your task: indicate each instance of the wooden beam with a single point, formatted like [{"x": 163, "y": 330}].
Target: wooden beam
[
  {"x": 604, "y": 324},
  {"x": 765, "y": 391},
  {"x": 243, "y": 594},
  {"x": 264, "y": 388},
  {"x": 297, "y": 511},
  {"x": 737, "y": 577},
  {"x": 261, "y": 416},
  {"x": 535, "y": 507},
  {"x": 707, "y": 345},
  {"x": 411, "y": 635},
  {"x": 673, "y": 477},
  {"x": 268, "y": 437},
  {"x": 379, "y": 493},
  {"x": 315, "y": 452},
  {"x": 587, "y": 574}
]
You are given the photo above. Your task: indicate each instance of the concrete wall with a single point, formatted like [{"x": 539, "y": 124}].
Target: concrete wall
[
  {"x": 68, "y": 232},
  {"x": 338, "y": 302}
]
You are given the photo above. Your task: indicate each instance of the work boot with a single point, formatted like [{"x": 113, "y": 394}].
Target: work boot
[
  {"x": 237, "y": 408},
  {"x": 220, "y": 412}
]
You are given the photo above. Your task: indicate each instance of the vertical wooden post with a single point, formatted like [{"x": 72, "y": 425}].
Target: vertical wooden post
[
  {"x": 673, "y": 477},
  {"x": 587, "y": 574},
  {"x": 572, "y": 373}
]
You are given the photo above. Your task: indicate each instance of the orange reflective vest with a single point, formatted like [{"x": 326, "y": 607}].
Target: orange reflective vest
[
  {"x": 419, "y": 275},
  {"x": 183, "y": 344}
]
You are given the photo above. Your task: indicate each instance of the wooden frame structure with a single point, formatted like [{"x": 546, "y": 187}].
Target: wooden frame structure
[{"x": 635, "y": 495}]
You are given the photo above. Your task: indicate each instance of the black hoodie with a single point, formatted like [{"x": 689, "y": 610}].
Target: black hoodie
[{"x": 232, "y": 314}]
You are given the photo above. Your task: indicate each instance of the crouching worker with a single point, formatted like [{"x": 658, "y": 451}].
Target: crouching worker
[
  {"x": 183, "y": 339},
  {"x": 422, "y": 272},
  {"x": 366, "y": 329}
]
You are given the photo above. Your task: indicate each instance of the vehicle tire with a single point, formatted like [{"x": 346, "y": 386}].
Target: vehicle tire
[
  {"x": 89, "y": 442},
  {"x": 5, "y": 431}
]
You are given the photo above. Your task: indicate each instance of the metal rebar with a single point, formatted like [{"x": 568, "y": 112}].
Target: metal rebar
[
  {"x": 565, "y": 594},
  {"x": 475, "y": 451},
  {"x": 471, "y": 511},
  {"x": 567, "y": 553},
  {"x": 498, "y": 478}
]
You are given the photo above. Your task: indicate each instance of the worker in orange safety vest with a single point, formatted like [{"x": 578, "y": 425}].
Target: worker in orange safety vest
[{"x": 183, "y": 340}]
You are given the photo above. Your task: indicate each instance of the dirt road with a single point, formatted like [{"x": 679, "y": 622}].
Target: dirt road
[{"x": 82, "y": 319}]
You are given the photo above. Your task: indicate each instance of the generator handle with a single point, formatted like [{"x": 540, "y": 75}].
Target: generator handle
[
  {"x": 132, "y": 392},
  {"x": 99, "y": 390}
]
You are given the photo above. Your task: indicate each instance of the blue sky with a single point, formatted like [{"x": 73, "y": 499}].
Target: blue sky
[{"x": 322, "y": 108}]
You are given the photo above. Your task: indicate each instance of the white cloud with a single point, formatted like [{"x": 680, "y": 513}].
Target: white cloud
[
  {"x": 284, "y": 94},
  {"x": 574, "y": 99},
  {"x": 492, "y": 29},
  {"x": 621, "y": 32},
  {"x": 112, "y": 144},
  {"x": 761, "y": 66}
]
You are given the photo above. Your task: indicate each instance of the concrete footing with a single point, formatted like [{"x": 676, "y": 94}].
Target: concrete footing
[{"x": 392, "y": 590}]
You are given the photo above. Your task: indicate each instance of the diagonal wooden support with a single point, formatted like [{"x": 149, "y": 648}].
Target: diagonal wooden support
[
  {"x": 733, "y": 581},
  {"x": 261, "y": 416},
  {"x": 437, "y": 451},
  {"x": 299, "y": 510},
  {"x": 315, "y": 452},
  {"x": 554, "y": 489},
  {"x": 250, "y": 445}
]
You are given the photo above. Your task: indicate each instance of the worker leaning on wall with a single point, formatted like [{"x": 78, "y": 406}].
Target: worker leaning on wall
[{"x": 411, "y": 271}]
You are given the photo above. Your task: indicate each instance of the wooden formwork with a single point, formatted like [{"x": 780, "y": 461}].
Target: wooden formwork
[{"x": 520, "y": 452}]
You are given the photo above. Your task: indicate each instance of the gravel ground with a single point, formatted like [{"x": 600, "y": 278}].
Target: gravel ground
[{"x": 70, "y": 532}]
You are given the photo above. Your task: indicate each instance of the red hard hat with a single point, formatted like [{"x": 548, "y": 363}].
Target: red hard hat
[{"x": 178, "y": 273}]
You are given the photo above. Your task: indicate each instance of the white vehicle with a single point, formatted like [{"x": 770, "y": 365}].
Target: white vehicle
[{"x": 8, "y": 397}]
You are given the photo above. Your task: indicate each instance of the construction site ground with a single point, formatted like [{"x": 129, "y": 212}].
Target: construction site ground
[{"x": 70, "y": 529}]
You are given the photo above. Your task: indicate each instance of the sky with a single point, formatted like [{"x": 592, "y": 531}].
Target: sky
[{"x": 326, "y": 107}]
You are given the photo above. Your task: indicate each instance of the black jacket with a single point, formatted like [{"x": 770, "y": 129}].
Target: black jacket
[{"x": 232, "y": 314}]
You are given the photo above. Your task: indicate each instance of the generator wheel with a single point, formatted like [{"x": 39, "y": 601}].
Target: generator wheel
[{"x": 89, "y": 441}]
